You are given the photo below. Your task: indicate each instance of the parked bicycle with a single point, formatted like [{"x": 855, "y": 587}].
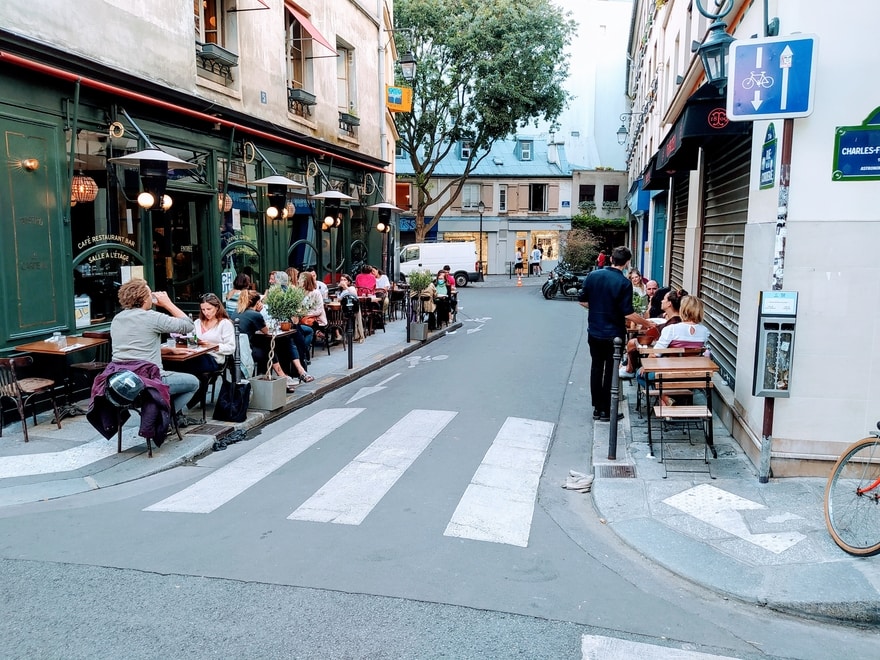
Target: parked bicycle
[{"x": 852, "y": 498}]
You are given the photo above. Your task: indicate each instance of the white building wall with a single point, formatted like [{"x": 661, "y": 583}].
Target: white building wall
[
  {"x": 155, "y": 41},
  {"x": 831, "y": 249}
]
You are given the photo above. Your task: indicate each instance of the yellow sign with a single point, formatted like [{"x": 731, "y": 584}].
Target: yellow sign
[{"x": 398, "y": 99}]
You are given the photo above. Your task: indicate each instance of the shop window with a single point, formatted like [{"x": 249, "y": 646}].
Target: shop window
[{"x": 105, "y": 230}]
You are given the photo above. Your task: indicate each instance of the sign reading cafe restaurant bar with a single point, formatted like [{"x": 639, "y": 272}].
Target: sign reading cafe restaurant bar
[{"x": 857, "y": 151}]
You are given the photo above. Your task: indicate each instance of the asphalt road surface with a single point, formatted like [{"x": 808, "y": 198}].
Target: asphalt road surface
[{"x": 415, "y": 513}]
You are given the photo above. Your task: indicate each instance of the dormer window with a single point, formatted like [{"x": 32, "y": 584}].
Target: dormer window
[
  {"x": 525, "y": 150},
  {"x": 467, "y": 147}
]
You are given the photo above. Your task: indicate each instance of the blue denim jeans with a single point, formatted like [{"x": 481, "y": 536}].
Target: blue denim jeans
[{"x": 182, "y": 386}]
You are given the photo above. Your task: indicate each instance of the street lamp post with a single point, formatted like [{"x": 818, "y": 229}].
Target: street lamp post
[{"x": 480, "y": 209}]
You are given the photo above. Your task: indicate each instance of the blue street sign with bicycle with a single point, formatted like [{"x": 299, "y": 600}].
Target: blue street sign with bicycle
[{"x": 771, "y": 78}]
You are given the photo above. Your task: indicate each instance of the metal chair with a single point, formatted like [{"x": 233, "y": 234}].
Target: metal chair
[
  {"x": 22, "y": 390},
  {"x": 209, "y": 379}
]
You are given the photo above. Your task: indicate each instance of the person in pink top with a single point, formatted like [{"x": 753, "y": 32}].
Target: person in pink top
[{"x": 365, "y": 282}]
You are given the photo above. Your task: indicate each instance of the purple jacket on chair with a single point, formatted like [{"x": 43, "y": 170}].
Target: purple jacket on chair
[{"x": 155, "y": 408}]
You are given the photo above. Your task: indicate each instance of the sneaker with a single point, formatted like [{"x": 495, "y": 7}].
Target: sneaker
[
  {"x": 291, "y": 384},
  {"x": 605, "y": 417},
  {"x": 626, "y": 375}
]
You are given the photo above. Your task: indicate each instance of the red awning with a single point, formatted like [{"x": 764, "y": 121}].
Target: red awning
[{"x": 308, "y": 27}]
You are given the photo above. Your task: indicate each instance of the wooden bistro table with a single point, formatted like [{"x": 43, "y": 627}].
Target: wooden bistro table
[
  {"x": 670, "y": 367},
  {"x": 175, "y": 355},
  {"x": 56, "y": 358}
]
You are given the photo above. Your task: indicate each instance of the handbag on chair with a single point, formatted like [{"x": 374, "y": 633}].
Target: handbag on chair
[{"x": 234, "y": 397}]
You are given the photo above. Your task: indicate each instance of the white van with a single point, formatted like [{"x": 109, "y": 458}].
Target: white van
[{"x": 460, "y": 257}]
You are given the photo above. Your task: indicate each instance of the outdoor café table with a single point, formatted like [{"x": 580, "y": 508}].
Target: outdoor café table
[
  {"x": 266, "y": 338},
  {"x": 668, "y": 367},
  {"x": 56, "y": 358},
  {"x": 175, "y": 356}
]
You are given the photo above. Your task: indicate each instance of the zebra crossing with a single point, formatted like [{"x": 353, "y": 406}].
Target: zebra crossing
[{"x": 497, "y": 506}]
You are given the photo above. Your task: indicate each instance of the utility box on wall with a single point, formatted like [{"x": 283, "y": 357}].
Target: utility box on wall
[{"x": 777, "y": 320}]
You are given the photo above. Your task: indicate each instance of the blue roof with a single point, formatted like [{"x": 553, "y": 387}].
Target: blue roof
[{"x": 503, "y": 161}]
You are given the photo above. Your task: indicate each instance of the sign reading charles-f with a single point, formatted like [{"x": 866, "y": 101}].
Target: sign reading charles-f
[{"x": 398, "y": 99}]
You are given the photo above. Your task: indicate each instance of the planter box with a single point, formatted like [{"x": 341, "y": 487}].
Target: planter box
[
  {"x": 301, "y": 96},
  {"x": 219, "y": 54},
  {"x": 268, "y": 394},
  {"x": 418, "y": 331},
  {"x": 351, "y": 120}
]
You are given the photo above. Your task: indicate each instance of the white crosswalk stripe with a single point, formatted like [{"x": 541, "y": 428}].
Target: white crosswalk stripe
[
  {"x": 356, "y": 489},
  {"x": 499, "y": 502},
  {"x": 497, "y": 506},
  {"x": 596, "y": 647},
  {"x": 233, "y": 479}
]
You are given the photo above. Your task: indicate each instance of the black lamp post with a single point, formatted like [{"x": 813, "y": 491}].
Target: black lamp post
[
  {"x": 480, "y": 209},
  {"x": 713, "y": 51}
]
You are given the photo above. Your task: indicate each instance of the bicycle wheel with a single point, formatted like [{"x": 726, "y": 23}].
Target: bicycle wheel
[{"x": 853, "y": 519}]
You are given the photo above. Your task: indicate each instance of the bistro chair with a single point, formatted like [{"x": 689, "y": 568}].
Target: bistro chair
[
  {"x": 210, "y": 378},
  {"x": 23, "y": 390},
  {"x": 102, "y": 357}
]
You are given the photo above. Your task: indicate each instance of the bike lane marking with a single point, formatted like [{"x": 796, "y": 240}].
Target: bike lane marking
[
  {"x": 721, "y": 509},
  {"x": 499, "y": 503},
  {"x": 349, "y": 496},
  {"x": 596, "y": 647},
  {"x": 222, "y": 485}
]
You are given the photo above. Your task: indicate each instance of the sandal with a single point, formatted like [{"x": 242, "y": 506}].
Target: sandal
[{"x": 306, "y": 378}]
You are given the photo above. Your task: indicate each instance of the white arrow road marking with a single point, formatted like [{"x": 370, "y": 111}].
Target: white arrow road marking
[
  {"x": 356, "y": 489},
  {"x": 479, "y": 320},
  {"x": 367, "y": 391},
  {"x": 499, "y": 503},
  {"x": 416, "y": 359},
  {"x": 472, "y": 330},
  {"x": 595, "y": 647},
  {"x": 756, "y": 101},
  {"x": 721, "y": 509},
  {"x": 785, "y": 62},
  {"x": 234, "y": 478}
]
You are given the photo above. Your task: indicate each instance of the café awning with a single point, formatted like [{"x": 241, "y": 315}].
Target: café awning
[
  {"x": 703, "y": 119},
  {"x": 308, "y": 26}
]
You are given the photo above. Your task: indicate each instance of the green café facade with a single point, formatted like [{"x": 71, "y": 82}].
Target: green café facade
[{"x": 71, "y": 226}]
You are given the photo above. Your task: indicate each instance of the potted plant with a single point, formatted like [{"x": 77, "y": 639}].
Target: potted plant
[
  {"x": 418, "y": 281},
  {"x": 269, "y": 392},
  {"x": 284, "y": 303}
]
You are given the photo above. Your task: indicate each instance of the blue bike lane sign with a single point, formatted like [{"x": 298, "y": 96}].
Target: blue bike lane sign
[{"x": 771, "y": 78}]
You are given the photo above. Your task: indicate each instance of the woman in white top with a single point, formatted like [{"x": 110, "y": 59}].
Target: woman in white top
[
  {"x": 690, "y": 332},
  {"x": 214, "y": 327}
]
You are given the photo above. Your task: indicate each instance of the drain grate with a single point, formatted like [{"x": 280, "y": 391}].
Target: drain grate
[
  {"x": 217, "y": 430},
  {"x": 616, "y": 471}
]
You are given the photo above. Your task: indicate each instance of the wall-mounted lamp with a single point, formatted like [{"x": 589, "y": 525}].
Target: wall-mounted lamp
[
  {"x": 407, "y": 62},
  {"x": 153, "y": 164},
  {"x": 276, "y": 190},
  {"x": 713, "y": 51},
  {"x": 623, "y": 131},
  {"x": 332, "y": 200},
  {"x": 384, "y": 210}
]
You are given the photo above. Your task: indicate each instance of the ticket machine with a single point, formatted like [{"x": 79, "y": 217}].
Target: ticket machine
[{"x": 777, "y": 321}]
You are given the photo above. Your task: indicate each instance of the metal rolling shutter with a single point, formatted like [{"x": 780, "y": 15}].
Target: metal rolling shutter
[
  {"x": 726, "y": 207},
  {"x": 680, "y": 188}
]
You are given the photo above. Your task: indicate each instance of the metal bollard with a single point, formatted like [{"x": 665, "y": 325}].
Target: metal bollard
[{"x": 615, "y": 398}]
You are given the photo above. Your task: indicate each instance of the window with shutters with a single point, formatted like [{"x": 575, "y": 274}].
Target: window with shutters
[
  {"x": 538, "y": 197},
  {"x": 470, "y": 195}
]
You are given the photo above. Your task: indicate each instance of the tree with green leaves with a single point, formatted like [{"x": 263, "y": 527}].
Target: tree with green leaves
[{"x": 485, "y": 69}]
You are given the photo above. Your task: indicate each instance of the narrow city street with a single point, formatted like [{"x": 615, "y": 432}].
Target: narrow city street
[{"x": 414, "y": 513}]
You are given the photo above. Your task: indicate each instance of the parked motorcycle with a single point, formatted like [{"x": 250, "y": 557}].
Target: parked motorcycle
[{"x": 563, "y": 280}]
